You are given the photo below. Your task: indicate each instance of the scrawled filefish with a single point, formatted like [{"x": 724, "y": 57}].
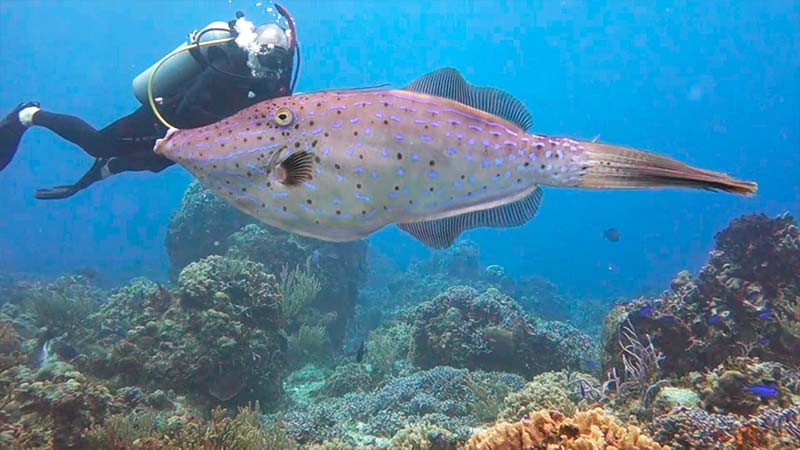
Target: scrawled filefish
[{"x": 437, "y": 157}]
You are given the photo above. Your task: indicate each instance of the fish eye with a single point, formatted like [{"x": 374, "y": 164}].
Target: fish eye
[{"x": 283, "y": 116}]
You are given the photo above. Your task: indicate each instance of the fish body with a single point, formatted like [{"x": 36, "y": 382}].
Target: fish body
[
  {"x": 339, "y": 165},
  {"x": 763, "y": 390}
]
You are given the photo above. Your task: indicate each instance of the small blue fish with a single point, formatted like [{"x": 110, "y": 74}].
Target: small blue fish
[
  {"x": 763, "y": 341},
  {"x": 763, "y": 390},
  {"x": 646, "y": 311},
  {"x": 667, "y": 318},
  {"x": 765, "y": 314},
  {"x": 590, "y": 364},
  {"x": 713, "y": 320}
]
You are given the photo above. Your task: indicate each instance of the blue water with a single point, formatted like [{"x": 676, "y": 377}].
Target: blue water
[{"x": 716, "y": 84}]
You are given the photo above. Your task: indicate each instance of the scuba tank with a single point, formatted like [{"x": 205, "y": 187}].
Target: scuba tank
[{"x": 179, "y": 68}]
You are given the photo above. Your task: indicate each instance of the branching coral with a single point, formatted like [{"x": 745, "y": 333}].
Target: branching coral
[
  {"x": 551, "y": 429},
  {"x": 298, "y": 289}
]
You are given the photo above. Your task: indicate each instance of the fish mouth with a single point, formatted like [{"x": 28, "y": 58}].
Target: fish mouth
[{"x": 162, "y": 146}]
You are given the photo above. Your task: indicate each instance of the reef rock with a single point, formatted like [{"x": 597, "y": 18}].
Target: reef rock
[
  {"x": 462, "y": 328},
  {"x": 217, "y": 338}
]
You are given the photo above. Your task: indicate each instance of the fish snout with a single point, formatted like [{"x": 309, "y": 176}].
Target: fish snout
[{"x": 166, "y": 145}]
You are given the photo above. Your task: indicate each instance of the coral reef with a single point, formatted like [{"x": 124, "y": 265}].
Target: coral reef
[
  {"x": 200, "y": 227},
  {"x": 443, "y": 397},
  {"x": 696, "y": 428},
  {"x": 217, "y": 338},
  {"x": 744, "y": 302},
  {"x": 206, "y": 225},
  {"x": 592, "y": 429},
  {"x": 462, "y": 328},
  {"x": 557, "y": 391}
]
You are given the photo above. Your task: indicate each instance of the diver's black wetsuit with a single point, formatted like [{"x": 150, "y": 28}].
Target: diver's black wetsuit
[{"x": 127, "y": 144}]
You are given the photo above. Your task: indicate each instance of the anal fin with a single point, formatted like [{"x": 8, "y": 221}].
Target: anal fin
[{"x": 441, "y": 233}]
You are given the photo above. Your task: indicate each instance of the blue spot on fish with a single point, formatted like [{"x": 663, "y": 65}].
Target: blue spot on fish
[
  {"x": 498, "y": 162},
  {"x": 364, "y": 198},
  {"x": 358, "y": 169},
  {"x": 398, "y": 137},
  {"x": 433, "y": 174},
  {"x": 485, "y": 163},
  {"x": 310, "y": 186},
  {"x": 336, "y": 124},
  {"x": 426, "y": 137},
  {"x": 400, "y": 172},
  {"x": 451, "y": 151},
  {"x": 374, "y": 174},
  {"x": 385, "y": 153},
  {"x": 414, "y": 157}
]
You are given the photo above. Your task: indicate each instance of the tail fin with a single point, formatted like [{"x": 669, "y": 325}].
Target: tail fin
[{"x": 611, "y": 166}]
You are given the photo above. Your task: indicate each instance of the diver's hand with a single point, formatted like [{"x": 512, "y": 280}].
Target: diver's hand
[{"x": 56, "y": 193}]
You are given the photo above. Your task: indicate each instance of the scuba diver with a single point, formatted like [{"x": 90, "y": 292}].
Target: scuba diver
[{"x": 193, "y": 86}]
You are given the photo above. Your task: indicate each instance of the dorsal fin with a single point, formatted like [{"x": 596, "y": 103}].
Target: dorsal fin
[
  {"x": 441, "y": 233},
  {"x": 449, "y": 83}
]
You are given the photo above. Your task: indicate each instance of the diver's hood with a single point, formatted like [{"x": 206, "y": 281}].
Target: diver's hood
[{"x": 272, "y": 35}]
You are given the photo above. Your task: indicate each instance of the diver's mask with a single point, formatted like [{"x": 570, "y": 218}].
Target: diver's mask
[{"x": 274, "y": 61}]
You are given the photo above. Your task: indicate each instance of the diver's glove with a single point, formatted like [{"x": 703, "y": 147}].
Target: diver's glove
[{"x": 56, "y": 193}]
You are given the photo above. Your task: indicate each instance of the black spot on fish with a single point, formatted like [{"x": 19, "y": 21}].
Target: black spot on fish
[
  {"x": 397, "y": 188},
  {"x": 355, "y": 133},
  {"x": 338, "y": 212},
  {"x": 311, "y": 123},
  {"x": 337, "y": 166},
  {"x": 432, "y": 163},
  {"x": 386, "y": 122},
  {"x": 358, "y": 186},
  {"x": 399, "y": 156},
  {"x": 297, "y": 145},
  {"x": 317, "y": 160},
  {"x": 308, "y": 201},
  {"x": 284, "y": 208}
]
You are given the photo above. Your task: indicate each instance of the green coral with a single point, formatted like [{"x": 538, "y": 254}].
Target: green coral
[
  {"x": 350, "y": 377},
  {"x": 298, "y": 288},
  {"x": 61, "y": 307},
  {"x": 310, "y": 344},
  {"x": 386, "y": 346},
  {"x": 548, "y": 390},
  {"x": 423, "y": 436}
]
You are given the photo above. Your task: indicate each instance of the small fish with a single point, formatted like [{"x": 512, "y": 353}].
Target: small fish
[
  {"x": 612, "y": 234},
  {"x": 667, "y": 318},
  {"x": 591, "y": 365},
  {"x": 763, "y": 390},
  {"x": 765, "y": 314},
  {"x": 713, "y": 320},
  {"x": 437, "y": 158},
  {"x": 361, "y": 351},
  {"x": 647, "y": 311}
]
